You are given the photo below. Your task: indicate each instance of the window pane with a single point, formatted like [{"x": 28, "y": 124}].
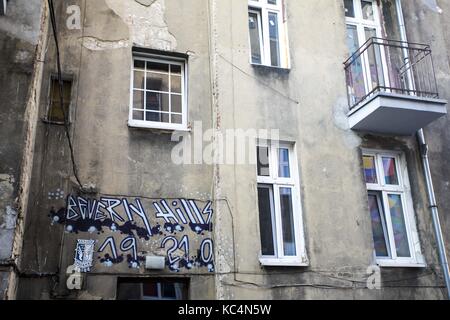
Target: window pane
[
  {"x": 398, "y": 225},
  {"x": 283, "y": 165},
  {"x": 157, "y": 101},
  {"x": 274, "y": 39},
  {"x": 175, "y": 69},
  {"x": 139, "y": 64},
  {"x": 255, "y": 32},
  {"x": 352, "y": 38},
  {"x": 168, "y": 290},
  {"x": 357, "y": 89},
  {"x": 177, "y": 118},
  {"x": 176, "y": 103},
  {"x": 375, "y": 63},
  {"x": 55, "y": 113},
  {"x": 265, "y": 204},
  {"x": 263, "y": 161},
  {"x": 272, "y": 1},
  {"x": 157, "y": 67},
  {"x": 157, "y": 117},
  {"x": 138, "y": 99},
  {"x": 367, "y": 9},
  {"x": 138, "y": 115},
  {"x": 287, "y": 221},
  {"x": 378, "y": 226},
  {"x": 175, "y": 84},
  {"x": 157, "y": 81},
  {"x": 349, "y": 9},
  {"x": 150, "y": 289},
  {"x": 370, "y": 171},
  {"x": 139, "y": 77},
  {"x": 390, "y": 171}
]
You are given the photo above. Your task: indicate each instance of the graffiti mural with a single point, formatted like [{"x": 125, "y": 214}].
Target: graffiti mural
[{"x": 126, "y": 230}]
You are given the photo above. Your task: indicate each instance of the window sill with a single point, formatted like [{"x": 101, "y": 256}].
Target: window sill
[
  {"x": 273, "y": 262},
  {"x": 157, "y": 126},
  {"x": 400, "y": 264},
  {"x": 271, "y": 68}
]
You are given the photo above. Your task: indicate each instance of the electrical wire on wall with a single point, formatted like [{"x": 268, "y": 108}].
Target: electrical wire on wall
[{"x": 61, "y": 96}]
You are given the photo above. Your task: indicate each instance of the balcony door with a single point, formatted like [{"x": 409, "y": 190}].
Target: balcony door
[{"x": 363, "y": 22}]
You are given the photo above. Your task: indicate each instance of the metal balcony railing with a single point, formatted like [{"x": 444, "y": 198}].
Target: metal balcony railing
[{"x": 382, "y": 65}]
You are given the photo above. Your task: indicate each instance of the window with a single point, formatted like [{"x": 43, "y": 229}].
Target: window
[
  {"x": 3, "y": 7},
  {"x": 363, "y": 22},
  {"x": 151, "y": 289},
  {"x": 267, "y": 33},
  {"x": 54, "y": 112},
  {"x": 391, "y": 211},
  {"x": 158, "y": 94},
  {"x": 280, "y": 222}
]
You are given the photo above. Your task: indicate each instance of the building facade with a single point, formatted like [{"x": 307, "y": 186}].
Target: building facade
[{"x": 224, "y": 149}]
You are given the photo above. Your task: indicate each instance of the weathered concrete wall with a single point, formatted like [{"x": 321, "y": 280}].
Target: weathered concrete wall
[
  {"x": 307, "y": 104},
  {"x": 19, "y": 35},
  {"x": 111, "y": 157},
  {"x": 426, "y": 24},
  {"x": 337, "y": 224}
]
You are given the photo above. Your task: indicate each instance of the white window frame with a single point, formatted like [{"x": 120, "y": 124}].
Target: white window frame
[
  {"x": 263, "y": 8},
  {"x": 276, "y": 182},
  {"x": 184, "y": 89},
  {"x": 404, "y": 190}
]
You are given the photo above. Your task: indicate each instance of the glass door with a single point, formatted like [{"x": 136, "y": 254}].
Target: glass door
[{"x": 368, "y": 68}]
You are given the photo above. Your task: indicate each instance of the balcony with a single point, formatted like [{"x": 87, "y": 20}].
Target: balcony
[{"x": 392, "y": 88}]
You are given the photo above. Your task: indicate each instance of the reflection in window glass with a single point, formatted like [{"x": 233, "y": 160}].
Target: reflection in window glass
[
  {"x": 381, "y": 243},
  {"x": 139, "y": 80},
  {"x": 367, "y": 10},
  {"x": 255, "y": 36},
  {"x": 349, "y": 9},
  {"x": 274, "y": 39},
  {"x": 390, "y": 171},
  {"x": 283, "y": 163},
  {"x": 265, "y": 203},
  {"x": 157, "y": 81},
  {"x": 370, "y": 171},
  {"x": 263, "y": 161},
  {"x": 287, "y": 221},
  {"x": 398, "y": 225},
  {"x": 356, "y": 74}
]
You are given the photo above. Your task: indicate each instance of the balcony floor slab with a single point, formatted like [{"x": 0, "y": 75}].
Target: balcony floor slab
[{"x": 396, "y": 114}]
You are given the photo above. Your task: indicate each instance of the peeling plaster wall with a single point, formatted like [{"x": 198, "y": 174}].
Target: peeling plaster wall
[
  {"x": 152, "y": 33},
  {"x": 307, "y": 103},
  {"x": 425, "y": 24},
  {"x": 334, "y": 200},
  {"x": 110, "y": 156},
  {"x": 7, "y": 216},
  {"x": 19, "y": 35}
]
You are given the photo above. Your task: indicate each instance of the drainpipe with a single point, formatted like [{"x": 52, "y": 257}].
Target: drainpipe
[{"x": 426, "y": 168}]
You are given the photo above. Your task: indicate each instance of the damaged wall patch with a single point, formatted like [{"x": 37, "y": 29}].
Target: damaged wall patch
[{"x": 146, "y": 22}]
